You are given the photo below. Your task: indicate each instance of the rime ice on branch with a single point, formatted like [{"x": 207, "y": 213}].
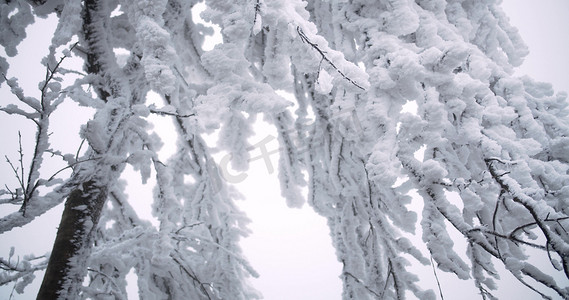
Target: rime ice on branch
[{"x": 494, "y": 161}]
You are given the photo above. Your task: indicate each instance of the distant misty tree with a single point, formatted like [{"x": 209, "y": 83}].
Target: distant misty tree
[{"x": 488, "y": 153}]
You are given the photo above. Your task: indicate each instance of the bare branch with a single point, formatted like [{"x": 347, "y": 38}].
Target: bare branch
[
  {"x": 523, "y": 227},
  {"x": 15, "y": 170},
  {"x": 67, "y": 167},
  {"x": 437, "y": 277},
  {"x": 507, "y": 237},
  {"x": 362, "y": 284},
  {"x": 165, "y": 113},
  {"x": 324, "y": 57},
  {"x": 389, "y": 271},
  {"x": 257, "y": 11}
]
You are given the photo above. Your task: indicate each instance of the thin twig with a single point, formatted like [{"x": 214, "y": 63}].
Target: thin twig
[
  {"x": 362, "y": 283},
  {"x": 494, "y": 221},
  {"x": 50, "y": 73},
  {"x": 436, "y": 277},
  {"x": 514, "y": 232},
  {"x": 550, "y": 236},
  {"x": 79, "y": 149},
  {"x": 67, "y": 167},
  {"x": 21, "y": 152},
  {"x": 191, "y": 274},
  {"x": 324, "y": 57},
  {"x": 386, "y": 280},
  {"x": 105, "y": 275},
  {"x": 15, "y": 170},
  {"x": 165, "y": 113},
  {"x": 257, "y": 11},
  {"x": 507, "y": 237}
]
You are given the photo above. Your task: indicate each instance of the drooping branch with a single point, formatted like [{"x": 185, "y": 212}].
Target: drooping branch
[
  {"x": 547, "y": 219},
  {"x": 556, "y": 243},
  {"x": 201, "y": 285},
  {"x": 363, "y": 284},
  {"x": 473, "y": 233}
]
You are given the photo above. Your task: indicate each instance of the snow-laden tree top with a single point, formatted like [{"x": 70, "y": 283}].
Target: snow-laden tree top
[{"x": 487, "y": 152}]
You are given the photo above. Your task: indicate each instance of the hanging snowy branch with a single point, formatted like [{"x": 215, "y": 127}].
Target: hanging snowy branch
[{"x": 553, "y": 237}]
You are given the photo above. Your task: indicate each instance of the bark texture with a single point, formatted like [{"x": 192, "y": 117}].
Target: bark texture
[{"x": 72, "y": 245}]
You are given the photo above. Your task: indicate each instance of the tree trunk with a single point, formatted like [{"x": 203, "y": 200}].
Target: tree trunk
[
  {"x": 73, "y": 244},
  {"x": 67, "y": 263}
]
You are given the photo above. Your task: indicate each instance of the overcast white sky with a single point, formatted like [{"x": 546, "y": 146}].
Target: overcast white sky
[{"x": 291, "y": 248}]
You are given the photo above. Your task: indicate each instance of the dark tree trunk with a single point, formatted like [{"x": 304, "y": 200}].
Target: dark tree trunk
[
  {"x": 67, "y": 263},
  {"x": 67, "y": 266}
]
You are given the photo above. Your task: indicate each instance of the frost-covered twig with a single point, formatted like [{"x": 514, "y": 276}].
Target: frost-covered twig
[
  {"x": 49, "y": 75},
  {"x": 230, "y": 253},
  {"x": 111, "y": 279},
  {"x": 547, "y": 219},
  {"x": 503, "y": 180},
  {"x": 15, "y": 197},
  {"x": 485, "y": 293},
  {"x": 508, "y": 237},
  {"x": 257, "y": 12},
  {"x": 166, "y": 113},
  {"x": 363, "y": 284},
  {"x": 188, "y": 226},
  {"x": 13, "y": 271},
  {"x": 44, "y": 107},
  {"x": 324, "y": 57},
  {"x": 192, "y": 275},
  {"x": 389, "y": 271},
  {"x": 552, "y": 239},
  {"x": 17, "y": 91}
]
